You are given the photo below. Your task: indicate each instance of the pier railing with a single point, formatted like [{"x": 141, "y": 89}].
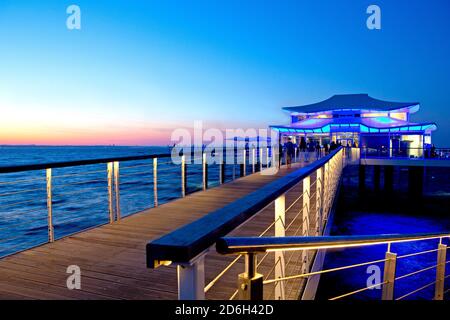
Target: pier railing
[
  {"x": 297, "y": 204},
  {"x": 406, "y": 153},
  {"x": 41, "y": 203},
  {"x": 251, "y": 283}
]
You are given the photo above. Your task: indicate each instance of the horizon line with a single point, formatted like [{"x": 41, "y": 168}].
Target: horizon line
[{"x": 80, "y": 145}]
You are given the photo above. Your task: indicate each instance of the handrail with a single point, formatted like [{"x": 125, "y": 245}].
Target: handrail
[
  {"x": 185, "y": 243},
  {"x": 241, "y": 245},
  {"x": 65, "y": 164},
  {"x": 426, "y": 153},
  {"x": 73, "y": 163}
]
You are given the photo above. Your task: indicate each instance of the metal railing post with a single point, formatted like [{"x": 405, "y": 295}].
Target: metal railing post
[
  {"x": 253, "y": 161},
  {"x": 191, "y": 279},
  {"x": 222, "y": 173},
  {"x": 244, "y": 163},
  {"x": 183, "y": 176},
  {"x": 51, "y": 233},
  {"x": 117, "y": 189},
  {"x": 305, "y": 218},
  {"x": 260, "y": 159},
  {"x": 318, "y": 211},
  {"x": 295, "y": 154},
  {"x": 440, "y": 272},
  {"x": 205, "y": 172},
  {"x": 280, "y": 211},
  {"x": 267, "y": 158},
  {"x": 389, "y": 276},
  {"x": 250, "y": 283},
  {"x": 155, "y": 181},
  {"x": 323, "y": 197},
  {"x": 110, "y": 170},
  {"x": 235, "y": 161},
  {"x": 326, "y": 193}
]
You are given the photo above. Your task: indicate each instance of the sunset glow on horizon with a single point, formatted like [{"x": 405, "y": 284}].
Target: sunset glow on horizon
[{"x": 135, "y": 72}]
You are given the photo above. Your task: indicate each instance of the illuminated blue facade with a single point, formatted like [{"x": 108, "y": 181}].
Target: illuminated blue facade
[{"x": 358, "y": 119}]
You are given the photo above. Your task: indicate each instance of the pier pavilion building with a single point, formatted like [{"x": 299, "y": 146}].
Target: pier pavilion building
[{"x": 359, "y": 120}]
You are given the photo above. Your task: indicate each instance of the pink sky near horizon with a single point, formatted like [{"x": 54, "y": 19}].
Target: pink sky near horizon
[
  {"x": 27, "y": 123},
  {"x": 45, "y": 135},
  {"x": 125, "y": 135}
]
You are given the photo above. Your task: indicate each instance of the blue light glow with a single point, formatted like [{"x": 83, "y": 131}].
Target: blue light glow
[{"x": 363, "y": 128}]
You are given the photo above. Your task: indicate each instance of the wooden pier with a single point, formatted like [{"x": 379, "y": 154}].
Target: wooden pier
[{"x": 112, "y": 257}]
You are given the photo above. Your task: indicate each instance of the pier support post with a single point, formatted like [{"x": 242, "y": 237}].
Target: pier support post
[
  {"x": 51, "y": 232},
  {"x": 191, "y": 279},
  {"x": 250, "y": 283},
  {"x": 109, "y": 170},
  {"x": 440, "y": 272},
  {"x": 388, "y": 179},
  {"x": 389, "y": 276},
  {"x": 362, "y": 177},
  {"x": 280, "y": 222},
  {"x": 376, "y": 177}
]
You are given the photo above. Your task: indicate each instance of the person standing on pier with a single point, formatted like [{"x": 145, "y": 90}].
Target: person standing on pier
[
  {"x": 290, "y": 151},
  {"x": 280, "y": 154},
  {"x": 303, "y": 147},
  {"x": 318, "y": 150}
]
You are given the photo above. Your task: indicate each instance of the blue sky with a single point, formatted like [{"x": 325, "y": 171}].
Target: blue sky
[{"x": 138, "y": 69}]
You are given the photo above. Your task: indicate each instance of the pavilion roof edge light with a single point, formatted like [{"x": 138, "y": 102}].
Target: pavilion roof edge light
[
  {"x": 363, "y": 128},
  {"x": 357, "y": 102}
]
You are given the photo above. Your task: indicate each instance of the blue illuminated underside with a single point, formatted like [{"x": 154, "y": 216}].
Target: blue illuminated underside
[{"x": 354, "y": 127}]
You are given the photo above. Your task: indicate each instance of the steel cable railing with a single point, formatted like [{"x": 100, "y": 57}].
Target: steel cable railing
[
  {"x": 309, "y": 274},
  {"x": 308, "y": 194},
  {"x": 58, "y": 186},
  {"x": 228, "y": 267},
  {"x": 389, "y": 278},
  {"x": 417, "y": 290},
  {"x": 21, "y": 192},
  {"x": 358, "y": 291},
  {"x": 60, "y": 182},
  {"x": 3, "y": 183},
  {"x": 160, "y": 253},
  {"x": 70, "y": 175}
]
